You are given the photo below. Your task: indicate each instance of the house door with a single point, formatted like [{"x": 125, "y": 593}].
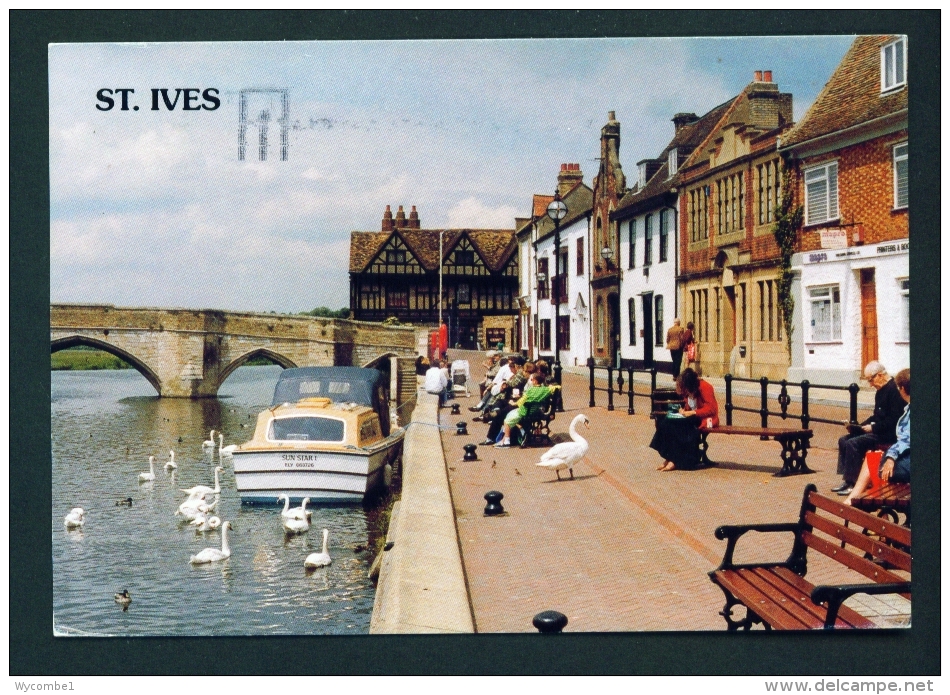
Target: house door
[
  {"x": 868, "y": 317},
  {"x": 648, "y": 330}
]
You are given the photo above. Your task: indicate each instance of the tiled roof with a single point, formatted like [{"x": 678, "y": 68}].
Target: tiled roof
[
  {"x": 688, "y": 137},
  {"x": 494, "y": 245},
  {"x": 852, "y": 96},
  {"x": 541, "y": 203},
  {"x": 363, "y": 248},
  {"x": 579, "y": 201}
]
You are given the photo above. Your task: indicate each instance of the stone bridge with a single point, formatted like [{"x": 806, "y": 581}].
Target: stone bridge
[{"x": 188, "y": 353}]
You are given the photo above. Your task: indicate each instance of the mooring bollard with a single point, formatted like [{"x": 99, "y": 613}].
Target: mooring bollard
[
  {"x": 461, "y": 428},
  {"x": 494, "y": 507},
  {"x": 456, "y": 409},
  {"x": 470, "y": 454},
  {"x": 549, "y": 622}
]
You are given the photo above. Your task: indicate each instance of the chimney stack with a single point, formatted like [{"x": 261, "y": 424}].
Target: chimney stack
[
  {"x": 757, "y": 76},
  {"x": 682, "y": 119},
  {"x": 569, "y": 176},
  {"x": 400, "y": 218},
  {"x": 768, "y": 76},
  {"x": 413, "y": 218},
  {"x": 388, "y": 220}
]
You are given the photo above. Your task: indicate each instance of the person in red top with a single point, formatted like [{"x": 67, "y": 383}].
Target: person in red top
[{"x": 677, "y": 434}]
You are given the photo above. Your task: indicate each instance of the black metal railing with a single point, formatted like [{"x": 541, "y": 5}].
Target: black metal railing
[
  {"x": 631, "y": 392},
  {"x": 784, "y": 400}
]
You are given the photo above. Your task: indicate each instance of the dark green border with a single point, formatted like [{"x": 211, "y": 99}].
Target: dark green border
[{"x": 32, "y": 647}]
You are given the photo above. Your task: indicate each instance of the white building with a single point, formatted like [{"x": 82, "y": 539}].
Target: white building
[
  {"x": 647, "y": 226},
  {"x": 558, "y": 306}
]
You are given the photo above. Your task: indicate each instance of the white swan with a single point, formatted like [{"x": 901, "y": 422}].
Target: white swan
[
  {"x": 296, "y": 512},
  {"x": 206, "y": 523},
  {"x": 566, "y": 454},
  {"x": 204, "y": 488},
  {"x": 213, "y": 554},
  {"x": 208, "y": 443},
  {"x": 146, "y": 477},
  {"x": 225, "y": 450},
  {"x": 195, "y": 505},
  {"x": 297, "y": 524},
  {"x": 171, "y": 465},
  {"x": 75, "y": 519},
  {"x": 321, "y": 559}
]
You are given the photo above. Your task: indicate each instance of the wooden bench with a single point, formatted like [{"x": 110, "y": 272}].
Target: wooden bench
[
  {"x": 794, "y": 445},
  {"x": 536, "y": 424},
  {"x": 777, "y": 594},
  {"x": 886, "y": 500}
]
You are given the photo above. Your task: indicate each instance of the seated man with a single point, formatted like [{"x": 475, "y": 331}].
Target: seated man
[
  {"x": 877, "y": 430},
  {"x": 494, "y": 365},
  {"x": 535, "y": 393},
  {"x": 895, "y": 464},
  {"x": 436, "y": 382}
]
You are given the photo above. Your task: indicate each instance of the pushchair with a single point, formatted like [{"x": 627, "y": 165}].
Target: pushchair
[{"x": 460, "y": 377}]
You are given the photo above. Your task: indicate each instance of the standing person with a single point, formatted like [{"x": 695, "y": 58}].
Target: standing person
[
  {"x": 895, "y": 464},
  {"x": 688, "y": 342},
  {"x": 878, "y": 430},
  {"x": 447, "y": 373},
  {"x": 677, "y": 437},
  {"x": 674, "y": 343},
  {"x": 436, "y": 382}
]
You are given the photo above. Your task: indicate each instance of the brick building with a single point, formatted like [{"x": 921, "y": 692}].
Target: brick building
[
  {"x": 395, "y": 272},
  {"x": 729, "y": 260},
  {"x": 849, "y": 155},
  {"x": 609, "y": 187}
]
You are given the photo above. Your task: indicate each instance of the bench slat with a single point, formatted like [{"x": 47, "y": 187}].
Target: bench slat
[
  {"x": 858, "y": 564},
  {"x": 849, "y": 536},
  {"x": 753, "y": 598},
  {"x": 848, "y": 616},
  {"x": 878, "y": 526},
  {"x": 755, "y": 431}
]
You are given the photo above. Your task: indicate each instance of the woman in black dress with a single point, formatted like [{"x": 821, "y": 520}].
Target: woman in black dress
[{"x": 677, "y": 435}]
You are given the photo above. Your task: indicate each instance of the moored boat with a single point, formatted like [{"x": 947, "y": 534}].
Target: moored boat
[{"x": 330, "y": 450}]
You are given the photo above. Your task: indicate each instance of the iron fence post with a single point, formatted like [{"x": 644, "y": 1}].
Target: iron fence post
[
  {"x": 806, "y": 418},
  {"x": 630, "y": 383},
  {"x": 764, "y": 410},
  {"x": 728, "y": 379},
  {"x": 853, "y": 390},
  {"x": 590, "y": 366},
  {"x": 610, "y": 387},
  {"x": 652, "y": 380}
]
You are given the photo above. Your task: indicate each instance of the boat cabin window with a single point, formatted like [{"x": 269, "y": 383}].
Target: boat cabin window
[
  {"x": 306, "y": 429},
  {"x": 311, "y": 388}
]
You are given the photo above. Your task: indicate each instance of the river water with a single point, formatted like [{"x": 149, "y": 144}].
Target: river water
[{"x": 105, "y": 425}]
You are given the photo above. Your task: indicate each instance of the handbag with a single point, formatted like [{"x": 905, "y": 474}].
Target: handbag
[{"x": 691, "y": 352}]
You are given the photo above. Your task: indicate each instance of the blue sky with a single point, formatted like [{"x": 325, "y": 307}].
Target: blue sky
[{"x": 153, "y": 208}]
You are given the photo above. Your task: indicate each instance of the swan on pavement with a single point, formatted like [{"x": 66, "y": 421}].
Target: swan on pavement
[{"x": 566, "y": 454}]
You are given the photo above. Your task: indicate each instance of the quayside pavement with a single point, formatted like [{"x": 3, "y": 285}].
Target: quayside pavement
[{"x": 623, "y": 547}]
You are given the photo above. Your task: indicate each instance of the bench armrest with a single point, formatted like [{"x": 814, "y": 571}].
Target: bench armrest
[
  {"x": 732, "y": 533},
  {"x": 834, "y": 596}
]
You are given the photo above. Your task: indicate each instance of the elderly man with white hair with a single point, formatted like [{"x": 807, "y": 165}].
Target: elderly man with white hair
[{"x": 878, "y": 430}]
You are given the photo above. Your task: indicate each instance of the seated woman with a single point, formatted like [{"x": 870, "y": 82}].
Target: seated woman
[
  {"x": 895, "y": 464},
  {"x": 677, "y": 438},
  {"x": 534, "y": 393}
]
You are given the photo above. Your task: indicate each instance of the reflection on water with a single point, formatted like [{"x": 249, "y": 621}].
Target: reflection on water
[{"x": 105, "y": 426}]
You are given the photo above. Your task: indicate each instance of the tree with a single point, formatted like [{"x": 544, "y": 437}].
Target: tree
[{"x": 326, "y": 312}]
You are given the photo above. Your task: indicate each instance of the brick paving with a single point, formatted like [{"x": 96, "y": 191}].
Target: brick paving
[{"x": 623, "y": 547}]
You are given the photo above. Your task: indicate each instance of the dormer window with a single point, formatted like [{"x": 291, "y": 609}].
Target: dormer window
[
  {"x": 894, "y": 65},
  {"x": 643, "y": 174},
  {"x": 464, "y": 257},
  {"x": 671, "y": 163}
]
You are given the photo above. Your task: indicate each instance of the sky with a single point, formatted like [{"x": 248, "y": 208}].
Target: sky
[{"x": 153, "y": 207}]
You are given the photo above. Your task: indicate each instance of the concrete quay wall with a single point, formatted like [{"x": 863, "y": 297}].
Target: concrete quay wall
[{"x": 422, "y": 587}]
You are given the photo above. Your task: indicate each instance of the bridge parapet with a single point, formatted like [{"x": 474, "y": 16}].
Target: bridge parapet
[{"x": 190, "y": 352}]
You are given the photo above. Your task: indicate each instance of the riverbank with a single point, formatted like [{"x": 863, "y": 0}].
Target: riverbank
[{"x": 65, "y": 360}]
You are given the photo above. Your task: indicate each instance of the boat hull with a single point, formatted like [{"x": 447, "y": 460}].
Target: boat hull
[{"x": 340, "y": 476}]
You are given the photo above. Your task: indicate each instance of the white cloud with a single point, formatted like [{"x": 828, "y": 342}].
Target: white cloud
[{"x": 473, "y": 213}]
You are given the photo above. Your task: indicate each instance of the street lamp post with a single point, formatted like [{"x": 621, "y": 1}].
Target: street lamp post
[
  {"x": 607, "y": 253},
  {"x": 557, "y": 211}
]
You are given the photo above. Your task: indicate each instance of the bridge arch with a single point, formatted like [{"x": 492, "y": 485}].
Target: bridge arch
[
  {"x": 139, "y": 366},
  {"x": 283, "y": 361}
]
